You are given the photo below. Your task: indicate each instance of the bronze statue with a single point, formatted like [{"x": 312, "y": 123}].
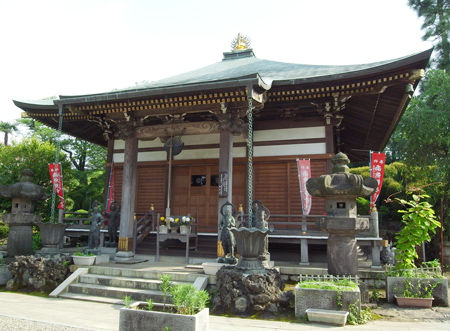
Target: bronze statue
[
  {"x": 260, "y": 218},
  {"x": 113, "y": 223},
  {"x": 97, "y": 221},
  {"x": 226, "y": 223}
]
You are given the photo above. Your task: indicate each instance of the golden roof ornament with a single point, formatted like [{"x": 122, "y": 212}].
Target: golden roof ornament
[{"x": 240, "y": 43}]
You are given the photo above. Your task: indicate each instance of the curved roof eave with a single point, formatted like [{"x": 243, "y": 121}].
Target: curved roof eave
[
  {"x": 47, "y": 104},
  {"x": 242, "y": 81},
  {"x": 390, "y": 65}
]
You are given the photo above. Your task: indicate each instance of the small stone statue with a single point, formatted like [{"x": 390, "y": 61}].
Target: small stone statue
[
  {"x": 228, "y": 243},
  {"x": 113, "y": 223},
  {"x": 387, "y": 255},
  {"x": 94, "y": 232}
]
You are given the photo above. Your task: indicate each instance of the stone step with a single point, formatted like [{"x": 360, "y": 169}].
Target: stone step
[
  {"x": 92, "y": 298},
  {"x": 116, "y": 292},
  {"x": 180, "y": 276},
  {"x": 123, "y": 282}
]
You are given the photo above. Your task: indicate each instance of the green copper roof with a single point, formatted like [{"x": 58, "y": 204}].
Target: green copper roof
[
  {"x": 239, "y": 68},
  {"x": 240, "y": 64}
]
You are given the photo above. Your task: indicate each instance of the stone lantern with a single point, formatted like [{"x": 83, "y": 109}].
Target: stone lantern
[
  {"x": 340, "y": 190},
  {"x": 21, "y": 219}
]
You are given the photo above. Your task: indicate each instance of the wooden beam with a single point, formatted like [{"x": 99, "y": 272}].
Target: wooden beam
[{"x": 177, "y": 129}]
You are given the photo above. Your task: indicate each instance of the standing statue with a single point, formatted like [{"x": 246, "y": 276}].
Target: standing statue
[
  {"x": 94, "y": 232},
  {"x": 226, "y": 236},
  {"x": 260, "y": 218},
  {"x": 113, "y": 223}
]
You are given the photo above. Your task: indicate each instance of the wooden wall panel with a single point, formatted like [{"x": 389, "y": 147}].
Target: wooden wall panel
[
  {"x": 151, "y": 188},
  {"x": 275, "y": 184}
]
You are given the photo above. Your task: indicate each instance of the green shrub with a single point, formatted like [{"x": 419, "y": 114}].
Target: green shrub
[
  {"x": 37, "y": 242},
  {"x": 4, "y": 230}
]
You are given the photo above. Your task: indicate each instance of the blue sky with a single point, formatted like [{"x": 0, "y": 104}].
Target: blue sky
[{"x": 68, "y": 47}]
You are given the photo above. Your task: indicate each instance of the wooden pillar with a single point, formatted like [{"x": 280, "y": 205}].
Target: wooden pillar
[
  {"x": 126, "y": 232},
  {"x": 329, "y": 138},
  {"x": 108, "y": 166},
  {"x": 225, "y": 171}
]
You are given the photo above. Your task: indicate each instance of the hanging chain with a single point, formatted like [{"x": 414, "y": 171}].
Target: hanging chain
[
  {"x": 58, "y": 147},
  {"x": 250, "y": 157}
]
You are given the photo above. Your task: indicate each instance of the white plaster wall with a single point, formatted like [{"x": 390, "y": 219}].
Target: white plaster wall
[
  {"x": 119, "y": 144},
  {"x": 150, "y": 143},
  {"x": 286, "y": 134},
  {"x": 118, "y": 157},
  {"x": 207, "y": 153},
  {"x": 152, "y": 156},
  {"x": 294, "y": 149}
]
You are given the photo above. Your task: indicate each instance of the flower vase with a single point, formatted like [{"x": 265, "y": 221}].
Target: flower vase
[
  {"x": 185, "y": 229},
  {"x": 163, "y": 229}
]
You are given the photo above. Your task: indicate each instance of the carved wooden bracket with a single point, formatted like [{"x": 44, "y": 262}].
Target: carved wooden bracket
[{"x": 176, "y": 129}]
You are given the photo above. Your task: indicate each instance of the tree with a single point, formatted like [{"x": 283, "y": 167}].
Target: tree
[
  {"x": 422, "y": 137},
  {"x": 88, "y": 162},
  {"x": 7, "y": 129},
  {"x": 436, "y": 16},
  {"x": 35, "y": 155}
]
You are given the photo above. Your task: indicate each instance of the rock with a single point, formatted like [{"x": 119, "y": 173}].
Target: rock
[
  {"x": 272, "y": 308},
  {"x": 262, "y": 299},
  {"x": 240, "y": 305},
  {"x": 38, "y": 273},
  {"x": 258, "y": 308},
  {"x": 246, "y": 294}
]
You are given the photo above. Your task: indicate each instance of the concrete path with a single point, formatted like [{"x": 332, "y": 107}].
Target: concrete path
[{"x": 25, "y": 312}]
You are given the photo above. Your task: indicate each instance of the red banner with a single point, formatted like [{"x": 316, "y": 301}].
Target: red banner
[
  {"x": 377, "y": 161},
  {"x": 110, "y": 191},
  {"x": 56, "y": 176},
  {"x": 304, "y": 173}
]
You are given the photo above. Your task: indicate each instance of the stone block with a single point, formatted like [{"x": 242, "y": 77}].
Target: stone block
[
  {"x": 103, "y": 258},
  {"x": 335, "y": 317},
  {"x": 440, "y": 292},
  {"x": 306, "y": 298},
  {"x": 134, "y": 319}
]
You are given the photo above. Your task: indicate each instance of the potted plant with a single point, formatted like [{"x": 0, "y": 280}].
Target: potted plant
[
  {"x": 185, "y": 224},
  {"x": 415, "y": 293},
  {"x": 186, "y": 312},
  {"x": 81, "y": 258}
]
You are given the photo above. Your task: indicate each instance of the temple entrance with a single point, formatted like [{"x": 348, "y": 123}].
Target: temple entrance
[{"x": 195, "y": 191}]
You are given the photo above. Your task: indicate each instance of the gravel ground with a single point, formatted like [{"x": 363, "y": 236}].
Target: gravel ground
[
  {"x": 395, "y": 313},
  {"x": 20, "y": 324}
]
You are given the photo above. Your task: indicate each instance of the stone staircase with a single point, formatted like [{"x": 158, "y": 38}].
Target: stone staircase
[
  {"x": 363, "y": 258},
  {"x": 111, "y": 285}
]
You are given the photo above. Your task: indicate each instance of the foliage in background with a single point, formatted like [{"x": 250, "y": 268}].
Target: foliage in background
[
  {"x": 87, "y": 159},
  {"x": 422, "y": 137},
  {"x": 436, "y": 24},
  {"x": 35, "y": 155},
  {"x": 7, "y": 129},
  {"x": 419, "y": 221},
  {"x": 36, "y": 243},
  {"x": 398, "y": 177}
]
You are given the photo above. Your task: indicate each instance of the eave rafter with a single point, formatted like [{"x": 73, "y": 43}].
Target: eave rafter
[{"x": 367, "y": 86}]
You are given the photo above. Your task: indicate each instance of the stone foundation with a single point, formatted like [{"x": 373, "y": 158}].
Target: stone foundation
[
  {"x": 38, "y": 273},
  {"x": 244, "y": 294}
]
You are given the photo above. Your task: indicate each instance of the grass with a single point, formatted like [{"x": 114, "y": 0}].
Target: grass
[
  {"x": 41, "y": 294},
  {"x": 334, "y": 285}
]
